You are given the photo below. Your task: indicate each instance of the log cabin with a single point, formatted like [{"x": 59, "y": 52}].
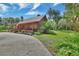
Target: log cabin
[{"x": 31, "y": 24}]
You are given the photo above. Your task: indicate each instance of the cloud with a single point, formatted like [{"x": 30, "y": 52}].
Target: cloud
[
  {"x": 32, "y": 13},
  {"x": 55, "y": 4},
  {"x": 3, "y": 7},
  {"x": 35, "y": 5},
  {"x": 23, "y": 5},
  {"x": 1, "y": 15}
]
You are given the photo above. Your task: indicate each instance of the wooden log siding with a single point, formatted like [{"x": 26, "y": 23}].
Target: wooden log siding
[
  {"x": 32, "y": 25},
  {"x": 28, "y": 26}
]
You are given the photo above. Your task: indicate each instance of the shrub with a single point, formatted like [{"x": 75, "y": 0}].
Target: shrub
[
  {"x": 52, "y": 32},
  {"x": 68, "y": 49},
  {"x": 49, "y": 25},
  {"x": 3, "y": 28},
  {"x": 37, "y": 33}
]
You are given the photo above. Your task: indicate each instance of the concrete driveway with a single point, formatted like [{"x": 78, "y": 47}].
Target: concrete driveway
[{"x": 12, "y": 44}]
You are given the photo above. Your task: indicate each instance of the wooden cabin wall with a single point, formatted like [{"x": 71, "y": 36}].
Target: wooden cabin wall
[
  {"x": 28, "y": 25},
  {"x": 32, "y": 25}
]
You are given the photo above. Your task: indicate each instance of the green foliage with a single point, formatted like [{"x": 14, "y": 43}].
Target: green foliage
[
  {"x": 8, "y": 23},
  {"x": 54, "y": 14},
  {"x": 72, "y": 8},
  {"x": 71, "y": 15},
  {"x": 52, "y": 32},
  {"x": 53, "y": 25},
  {"x": 45, "y": 27},
  {"x": 64, "y": 24},
  {"x": 49, "y": 25},
  {"x": 3, "y": 28},
  {"x": 65, "y": 43},
  {"x": 68, "y": 49},
  {"x": 37, "y": 33},
  {"x": 17, "y": 19}
]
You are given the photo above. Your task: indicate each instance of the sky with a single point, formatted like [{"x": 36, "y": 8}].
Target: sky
[{"x": 28, "y": 10}]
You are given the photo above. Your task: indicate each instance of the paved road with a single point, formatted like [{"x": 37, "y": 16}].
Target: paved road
[{"x": 12, "y": 44}]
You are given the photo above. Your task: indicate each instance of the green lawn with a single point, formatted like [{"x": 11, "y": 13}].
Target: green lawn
[
  {"x": 64, "y": 43},
  {"x": 4, "y": 28}
]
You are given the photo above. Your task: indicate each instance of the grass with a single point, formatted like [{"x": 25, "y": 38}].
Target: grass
[
  {"x": 64, "y": 43},
  {"x": 4, "y": 28}
]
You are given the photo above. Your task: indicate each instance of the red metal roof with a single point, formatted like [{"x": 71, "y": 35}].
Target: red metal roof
[{"x": 36, "y": 19}]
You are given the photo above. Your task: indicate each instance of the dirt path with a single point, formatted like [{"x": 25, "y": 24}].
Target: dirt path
[{"x": 12, "y": 44}]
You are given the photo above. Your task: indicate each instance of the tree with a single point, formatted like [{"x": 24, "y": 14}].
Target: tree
[
  {"x": 71, "y": 11},
  {"x": 72, "y": 15},
  {"x": 17, "y": 19},
  {"x": 22, "y": 18},
  {"x": 55, "y": 15},
  {"x": 0, "y": 19}
]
